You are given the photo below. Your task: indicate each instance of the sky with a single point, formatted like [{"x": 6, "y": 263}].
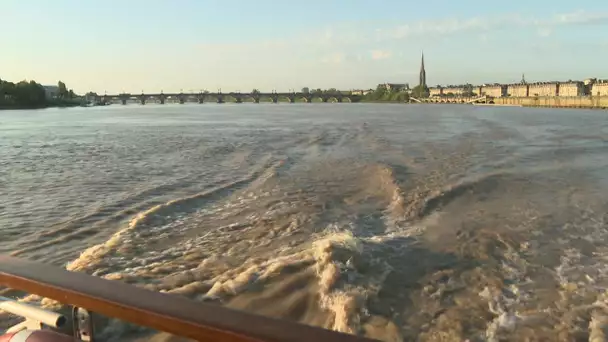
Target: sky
[{"x": 192, "y": 45}]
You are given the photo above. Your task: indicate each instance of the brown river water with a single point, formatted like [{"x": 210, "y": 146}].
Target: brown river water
[{"x": 396, "y": 222}]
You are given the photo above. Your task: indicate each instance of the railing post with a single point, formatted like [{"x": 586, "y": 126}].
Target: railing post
[{"x": 83, "y": 324}]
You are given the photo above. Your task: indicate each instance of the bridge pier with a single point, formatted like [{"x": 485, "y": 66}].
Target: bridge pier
[
  {"x": 256, "y": 100},
  {"x": 182, "y": 99},
  {"x": 162, "y": 100},
  {"x": 220, "y": 98},
  {"x": 124, "y": 101},
  {"x": 274, "y": 98},
  {"x": 142, "y": 100},
  {"x": 325, "y": 99},
  {"x": 201, "y": 99}
]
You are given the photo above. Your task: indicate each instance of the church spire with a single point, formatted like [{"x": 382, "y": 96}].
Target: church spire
[{"x": 422, "y": 72}]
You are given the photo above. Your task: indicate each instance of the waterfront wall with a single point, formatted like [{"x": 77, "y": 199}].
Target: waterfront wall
[{"x": 555, "y": 101}]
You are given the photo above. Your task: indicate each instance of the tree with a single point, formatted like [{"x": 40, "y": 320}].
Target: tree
[
  {"x": 63, "y": 91},
  {"x": 305, "y": 90},
  {"x": 255, "y": 91},
  {"x": 420, "y": 91}
]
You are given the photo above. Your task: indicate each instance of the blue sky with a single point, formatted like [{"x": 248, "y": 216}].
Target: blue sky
[{"x": 149, "y": 45}]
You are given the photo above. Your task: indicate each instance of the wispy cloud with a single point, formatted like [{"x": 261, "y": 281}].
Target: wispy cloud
[
  {"x": 488, "y": 24},
  {"x": 380, "y": 54},
  {"x": 352, "y": 43},
  {"x": 545, "y": 32}
]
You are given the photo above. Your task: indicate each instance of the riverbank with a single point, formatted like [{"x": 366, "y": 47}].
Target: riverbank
[
  {"x": 586, "y": 102},
  {"x": 52, "y": 104},
  {"x": 573, "y": 102}
]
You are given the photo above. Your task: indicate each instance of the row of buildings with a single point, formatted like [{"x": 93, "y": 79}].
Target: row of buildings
[{"x": 589, "y": 87}]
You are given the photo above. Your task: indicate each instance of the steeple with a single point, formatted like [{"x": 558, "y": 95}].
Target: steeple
[
  {"x": 523, "y": 79},
  {"x": 422, "y": 72}
]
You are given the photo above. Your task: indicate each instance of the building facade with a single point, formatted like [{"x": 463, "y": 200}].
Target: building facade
[
  {"x": 495, "y": 90},
  {"x": 436, "y": 91},
  {"x": 518, "y": 90},
  {"x": 574, "y": 88},
  {"x": 544, "y": 89},
  {"x": 600, "y": 88},
  {"x": 477, "y": 91},
  {"x": 453, "y": 91}
]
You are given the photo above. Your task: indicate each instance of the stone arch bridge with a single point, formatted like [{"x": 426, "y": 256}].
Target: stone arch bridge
[
  {"x": 464, "y": 100},
  {"x": 234, "y": 97}
]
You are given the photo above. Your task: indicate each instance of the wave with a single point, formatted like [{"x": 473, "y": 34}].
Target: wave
[{"x": 158, "y": 213}]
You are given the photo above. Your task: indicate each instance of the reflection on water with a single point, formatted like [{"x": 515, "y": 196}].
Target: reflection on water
[{"x": 427, "y": 223}]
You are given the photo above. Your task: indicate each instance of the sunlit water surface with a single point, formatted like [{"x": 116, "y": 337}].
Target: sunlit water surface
[{"x": 397, "y": 222}]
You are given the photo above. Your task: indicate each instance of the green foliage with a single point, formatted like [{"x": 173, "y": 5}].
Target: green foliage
[
  {"x": 255, "y": 91},
  {"x": 29, "y": 94},
  {"x": 22, "y": 94},
  {"x": 383, "y": 94},
  {"x": 305, "y": 90},
  {"x": 420, "y": 91}
]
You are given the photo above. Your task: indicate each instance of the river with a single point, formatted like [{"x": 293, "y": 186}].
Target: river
[{"x": 398, "y": 222}]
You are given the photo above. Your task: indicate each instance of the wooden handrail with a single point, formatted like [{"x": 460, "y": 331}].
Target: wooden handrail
[{"x": 160, "y": 311}]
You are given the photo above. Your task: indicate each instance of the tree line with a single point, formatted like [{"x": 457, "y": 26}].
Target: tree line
[{"x": 30, "y": 94}]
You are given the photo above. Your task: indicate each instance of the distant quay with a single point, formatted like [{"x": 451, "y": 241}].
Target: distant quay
[{"x": 587, "y": 102}]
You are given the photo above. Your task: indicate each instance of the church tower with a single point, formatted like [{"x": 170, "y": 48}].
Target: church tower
[{"x": 422, "y": 73}]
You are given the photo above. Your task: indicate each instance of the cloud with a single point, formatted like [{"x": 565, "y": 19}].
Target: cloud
[
  {"x": 545, "y": 32},
  {"x": 580, "y": 17},
  {"x": 361, "y": 36},
  {"x": 488, "y": 24},
  {"x": 380, "y": 54}
]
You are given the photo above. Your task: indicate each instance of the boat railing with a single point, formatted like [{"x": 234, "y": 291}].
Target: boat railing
[
  {"x": 159, "y": 311},
  {"x": 35, "y": 317}
]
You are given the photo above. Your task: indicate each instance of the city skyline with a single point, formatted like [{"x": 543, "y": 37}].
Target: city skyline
[{"x": 191, "y": 45}]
